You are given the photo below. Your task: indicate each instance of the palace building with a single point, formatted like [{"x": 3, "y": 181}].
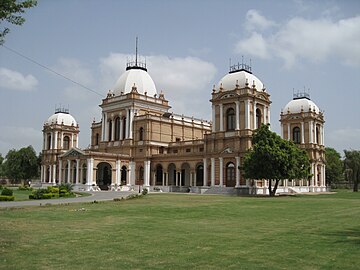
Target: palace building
[{"x": 139, "y": 143}]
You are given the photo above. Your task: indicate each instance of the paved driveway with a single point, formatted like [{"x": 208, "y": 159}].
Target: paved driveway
[{"x": 95, "y": 196}]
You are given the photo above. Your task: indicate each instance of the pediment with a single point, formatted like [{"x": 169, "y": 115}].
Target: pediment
[
  {"x": 227, "y": 150},
  {"x": 73, "y": 152}
]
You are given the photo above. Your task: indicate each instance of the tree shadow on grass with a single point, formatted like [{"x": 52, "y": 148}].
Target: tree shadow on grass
[{"x": 351, "y": 236}]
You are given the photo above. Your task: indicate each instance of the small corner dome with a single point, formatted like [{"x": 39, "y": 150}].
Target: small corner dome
[
  {"x": 241, "y": 77},
  {"x": 138, "y": 77},
  {"x": 298, "y": 104},
  {"x": 61, "y": 118}
]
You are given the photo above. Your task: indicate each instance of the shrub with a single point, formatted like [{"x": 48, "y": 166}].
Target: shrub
[
  {"x": 66, "y": 186},
  {"x": 54, "y": 190},
  {"x": 7, "y": 192},
  {"x": 64, "y": 194},
  {"x": 144, "y": 191},
  {"x": 47, "y": 196},
  {"x": 38, "y": 194},
  {"x": 24, "y": 187},
  {"x": 6, "y": 198},
  {"x": 1, "y": 187}
]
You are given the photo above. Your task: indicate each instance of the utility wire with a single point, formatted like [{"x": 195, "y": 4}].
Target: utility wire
[{"x": 51, "y": 70}]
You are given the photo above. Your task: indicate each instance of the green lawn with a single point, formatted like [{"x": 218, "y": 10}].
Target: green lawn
[{"x": 170, "y": 231}]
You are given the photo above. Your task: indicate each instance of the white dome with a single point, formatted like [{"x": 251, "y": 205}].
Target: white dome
[
  {"x": 137, "y": 76},
  {"x": 298, "y": 104},
  {"x": 241, "y": 77},
  {"x": 61, "y": 118}
]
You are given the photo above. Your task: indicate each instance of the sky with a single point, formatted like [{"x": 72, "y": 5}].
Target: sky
[{"x": 311, "y": 46}]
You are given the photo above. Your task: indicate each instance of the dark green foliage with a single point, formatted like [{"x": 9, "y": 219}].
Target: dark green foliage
[
  {"x": 352, "y": 167},
  {"x": 274, "y": 158},
  {"x": 10, "y": 11},
  {"x": 144, "y": 191},
  {"x": 7, "y": 198},
  {"x": 334, "y": 166},
  {"x": 38, "y": 194},
  {"x": 21, "y": 165},
  {"x": 7, "y": 192},
  {"x": 24, "y": 187}
]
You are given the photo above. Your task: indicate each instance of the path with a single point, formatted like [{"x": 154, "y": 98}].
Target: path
[{"x": 95, "y": 196}]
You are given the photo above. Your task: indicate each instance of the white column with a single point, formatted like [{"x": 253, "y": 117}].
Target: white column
[
  {"x": 247, "y": 114},
  {"x": 269, "y": 116},
  {"x": 72, "y": 141},
  {"x": 237, "y": 118},
  {"x": 121, "y": 128},
  {"x": 42, "y": 173},
  {"x": 69, "y": 171},
  {"x": 147, "y": 173},
  {"x": 127, "y": 124},
  {"x": 60, "y": 171},
  {"x": 55, "y": 140},
  {"x": 176, "y": 179},
  {"x": 311, "y": 131},
  {"x": 51, "y": 141},
  {"x": 166, "y": 175},
  {"x": 54, "y": 174},
  {"x": 118, "y": 172},
  {"x": 265, "y": 114},
  {"x": 77, "y": 170},
  {"x": 221, "y": 171},
  {"x": 205, "y": 172},
  {"x": 113, "y": 130},
  {"x": 282, "y": 131},
  {"x": 322, "y": 135},
  {"x": 237, "y": 171},
  {"x": 221, "y": 117},
  {"x": 302, "y": 133},
  {"x": 194, "y": 179},
  {"x": 90, "y": 171},
  {"x": 131, "y": 123},
  {"x": 103, "y": 127},
  {"x": 61, "y": 140},
  {"x": 312, "y": 181},
  {"x": 213, "y": 117},
  {"x": 212, "y": 172},
  {"x": 289, "y": 132},
  {"x": 163, "y": 179},
  {"x": 106, "y": 129},
  {"x": 179, "y": 181},
  {"x": 77, "y": 140}
]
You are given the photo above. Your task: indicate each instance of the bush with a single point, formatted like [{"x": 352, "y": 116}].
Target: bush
[
  {"x": 24, "y": 187},
  {"x": 54, "y": 190},
  {"x": 66, "y": 186},
  {"x": 1, "y": 187},
  {"x": 38, "y": 194},
  {"x": 6, "y": 198},
  {"x": 7, "y": 192},
  {"x": 144, "y": 191},
  {"x": 47, "y": 196}
]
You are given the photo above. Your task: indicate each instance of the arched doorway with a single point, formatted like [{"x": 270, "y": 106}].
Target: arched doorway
[
  {"x": 123, "y": 175},
  {"x": 172, "y": 174},
  {"x": 103, "y": 175},
  {"x": 185, "y": 175},
  {"x": 199, "y": 175},
  {"x": 230, "y": 175},
  {"x": 159, "y": 175}
]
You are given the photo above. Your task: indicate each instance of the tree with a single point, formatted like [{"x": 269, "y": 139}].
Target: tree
[
  {"x": 1, "y": 165},
  {"x": 22, "y": 164},
  {"x": 334, "y": 166},
  {"x": 10, "y": 11},
  {"x": 275, "y": 159},
  {"x": 352, "y": 167}
]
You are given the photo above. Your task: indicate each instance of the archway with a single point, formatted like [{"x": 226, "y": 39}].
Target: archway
[
  {"x": 199, "y": 174},
  {"x": 159, "y": 175},
  {"x": 103, "y": 175},
  {"x": 185, "y": 175},
  {"x": 230, "y": 175},
  {"x": 123, "y": 175},
  {"x": 172, "y": 174}
]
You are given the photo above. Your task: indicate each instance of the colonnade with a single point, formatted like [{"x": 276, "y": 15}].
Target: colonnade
[
  {"x": 314, "y": 136},
  {"x": 50, "y": 140},
  {"x": 109, "y": 126}
]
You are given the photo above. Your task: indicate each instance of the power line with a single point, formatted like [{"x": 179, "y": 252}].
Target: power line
[{"x": 51, "y": 70}]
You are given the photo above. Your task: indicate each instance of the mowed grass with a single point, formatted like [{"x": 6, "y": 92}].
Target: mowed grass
[{"x": 172, "y": 231}]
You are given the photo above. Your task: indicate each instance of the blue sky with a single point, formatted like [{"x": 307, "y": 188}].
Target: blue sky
[{"x": 187, "y": 44}]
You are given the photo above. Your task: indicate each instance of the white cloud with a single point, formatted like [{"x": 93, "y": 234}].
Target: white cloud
[
  {"x": 184, "y": 81},
  {"x": 313, "y": 40},
  {"x": 255, "y": 21},
  {"x": 14, "y": 80}
]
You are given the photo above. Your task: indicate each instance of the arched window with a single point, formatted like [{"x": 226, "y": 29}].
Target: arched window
[
  {"x": 124, "y": 128},
  {"x": 110, "y": 131},
  {"x": 123, "y": 175},
  {"x": 117, "y": 128},
  {"x": 296, "y": 135},
  {"x": 258, "y": 118},
  {"x": 230, "y": 175},
  {"x": 230, "y": 119},
  {"x": 66, "y": 144},
  {"x": 97, "y": 139},
  {"x": 200, "y": 175},
  {"x": 317, "y": 135},
  {"x": 49, "y": 142},
  {"x": 141, "y": 134}
]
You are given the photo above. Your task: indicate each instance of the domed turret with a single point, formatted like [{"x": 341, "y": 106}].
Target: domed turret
[
  {"x": 61, "y": 117},
  {"x": 301, "y": 103},
  {"x": 240, "y": 75}
]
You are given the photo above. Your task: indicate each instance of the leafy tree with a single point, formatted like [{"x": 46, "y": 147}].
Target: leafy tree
[
  {"x": 275, "y": 159},
  {"x": 352, "y": 167},
  {"x": 10, "y": 11},
  {"x": 334, "y": 166},
  {"x": 1, "y": 165},
  {"x": 22, "y": 164}
]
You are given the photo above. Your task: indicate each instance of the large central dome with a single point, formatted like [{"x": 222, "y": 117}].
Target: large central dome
[
  {"x": 242, "y": 76},
  {"x": 135, "y": 76}
]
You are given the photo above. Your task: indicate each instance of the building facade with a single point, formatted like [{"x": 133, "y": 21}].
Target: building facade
[{"x": 139, "y": 143}]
